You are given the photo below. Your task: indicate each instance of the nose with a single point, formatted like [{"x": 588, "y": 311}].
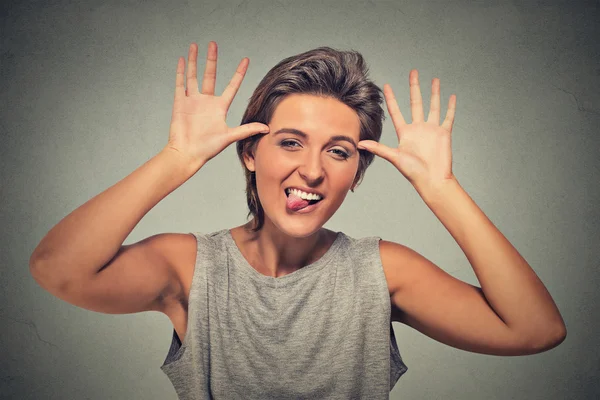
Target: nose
[{"x": 311, "y": 168}]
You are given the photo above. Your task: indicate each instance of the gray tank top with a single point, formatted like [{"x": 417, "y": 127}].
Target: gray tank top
[{"x": 321, "y": 332}]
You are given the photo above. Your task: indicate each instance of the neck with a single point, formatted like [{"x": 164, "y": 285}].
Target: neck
[{"x": 274, "y": 253}]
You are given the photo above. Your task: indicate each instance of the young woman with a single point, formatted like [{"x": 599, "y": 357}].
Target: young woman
[{"x": 281, "y": 307}]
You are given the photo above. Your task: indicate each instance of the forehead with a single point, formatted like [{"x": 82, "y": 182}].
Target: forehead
[{"x": 315, "y": 114}]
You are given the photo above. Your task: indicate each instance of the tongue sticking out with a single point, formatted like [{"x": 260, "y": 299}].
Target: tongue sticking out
[{"x": 296, "y": 203}]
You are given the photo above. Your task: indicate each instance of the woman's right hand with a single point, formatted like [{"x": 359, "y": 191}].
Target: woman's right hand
[{"x": 198, "y": 129}]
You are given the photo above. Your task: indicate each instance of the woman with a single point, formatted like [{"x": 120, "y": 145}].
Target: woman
[{"x": 282, "y": 307}]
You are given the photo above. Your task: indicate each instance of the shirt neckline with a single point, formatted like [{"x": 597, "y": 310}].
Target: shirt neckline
[{"x": 249, "y": 271}]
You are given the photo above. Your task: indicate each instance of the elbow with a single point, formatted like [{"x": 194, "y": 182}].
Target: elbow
[
  {"x": 550, "y": 341},
  {"x": 37, "y": 272},
  {"x": 35, "y": 261},
  {"x": 561, "y": 335},
  {"x": 34, "y": 266},
  {"x": 46, "y": 275}
]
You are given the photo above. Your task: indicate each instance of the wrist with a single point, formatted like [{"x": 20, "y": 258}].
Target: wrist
[
  {"x": 431, "y": 192},
  {"x": 182, "y": 163}
]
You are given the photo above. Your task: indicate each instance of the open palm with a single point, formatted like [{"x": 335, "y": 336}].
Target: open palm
[
  {"x": 198, "y": 128},
  {"x": 424, "y": 152}
]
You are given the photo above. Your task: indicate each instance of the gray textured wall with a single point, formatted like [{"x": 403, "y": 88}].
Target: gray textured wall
[{"x": 86, "y": 99}]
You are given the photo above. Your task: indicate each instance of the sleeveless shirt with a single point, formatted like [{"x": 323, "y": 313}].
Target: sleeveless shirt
[{"x": 321, "y": 332}]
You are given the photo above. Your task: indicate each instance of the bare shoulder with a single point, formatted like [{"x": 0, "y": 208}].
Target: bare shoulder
[
  {"x": 179, "y": 249},
  {"x": 401, "y": 266},
  {"x": 393, "y": 257}
]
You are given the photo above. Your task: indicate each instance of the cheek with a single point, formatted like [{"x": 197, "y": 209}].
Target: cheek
[
  {"x": 273, "y": 167},
  {"x": 348, "y": 172}
]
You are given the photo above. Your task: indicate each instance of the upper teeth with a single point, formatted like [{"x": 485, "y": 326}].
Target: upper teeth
[{"x": 304, "y": 195}]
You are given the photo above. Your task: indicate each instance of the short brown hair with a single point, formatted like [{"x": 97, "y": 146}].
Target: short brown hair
[{"x": 326, "y": 72}]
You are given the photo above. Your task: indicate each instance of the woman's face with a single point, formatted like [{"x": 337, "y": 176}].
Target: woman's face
[{"x": 316, "y": 160}]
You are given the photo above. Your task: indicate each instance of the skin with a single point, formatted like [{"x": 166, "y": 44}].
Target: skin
[
  {"x": 288, "y": 241},
  {"x": 512, "y": 313}
]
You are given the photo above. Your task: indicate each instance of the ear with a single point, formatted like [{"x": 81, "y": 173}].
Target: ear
[
  {"x": 355, "y": 183},
  {"x": 249, "y": 160}
]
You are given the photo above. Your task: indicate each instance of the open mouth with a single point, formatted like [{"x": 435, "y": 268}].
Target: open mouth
[
  {"x": 300, "y": 205},
  {"x": 310, "y": 202}
]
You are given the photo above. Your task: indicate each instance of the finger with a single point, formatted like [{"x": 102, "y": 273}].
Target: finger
[
  {"x": 235, "y": 82},
  {"x": 377, "y": 148},
  {"x": 393, "y": 109},
  {"x": 449, "y": 121},
  {"x": 416, "y": 101},
  {"x": 210, "y": 71},
  {"x": 434, "y": 109},
  {"x": 244, "y": 131},
  {"x": 179, "y": 88},
  {"x": 192, "y": 80}
]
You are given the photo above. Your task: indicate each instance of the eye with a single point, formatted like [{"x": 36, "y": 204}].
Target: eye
[
  {"x": 286, "y": 143},
  {"x": 290, "y": 143},
  {"x": 342, "y": 153}
]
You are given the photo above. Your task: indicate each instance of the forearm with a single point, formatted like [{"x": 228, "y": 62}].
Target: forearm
[
  {"x": 510, "y": 286},
  {"x": 90, "y": 236}
]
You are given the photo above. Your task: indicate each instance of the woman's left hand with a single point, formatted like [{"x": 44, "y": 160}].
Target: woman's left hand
[{"x": 424, "y": 153}]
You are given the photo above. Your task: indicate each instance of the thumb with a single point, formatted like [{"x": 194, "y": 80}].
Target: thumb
[
  {"x": 375, "y": 148},
  {"x": 243, "y": 131}
]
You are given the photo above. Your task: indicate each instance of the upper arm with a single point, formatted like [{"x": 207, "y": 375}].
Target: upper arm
[
  {"x": 140, "y": 277},
  {"x": 451, "y": 311}
]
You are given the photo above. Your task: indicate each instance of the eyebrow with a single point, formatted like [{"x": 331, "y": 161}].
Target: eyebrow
[{"x": 305, "y": 135}]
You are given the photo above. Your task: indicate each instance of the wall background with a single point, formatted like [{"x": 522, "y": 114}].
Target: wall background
[{"x": 87, "y": 92}]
